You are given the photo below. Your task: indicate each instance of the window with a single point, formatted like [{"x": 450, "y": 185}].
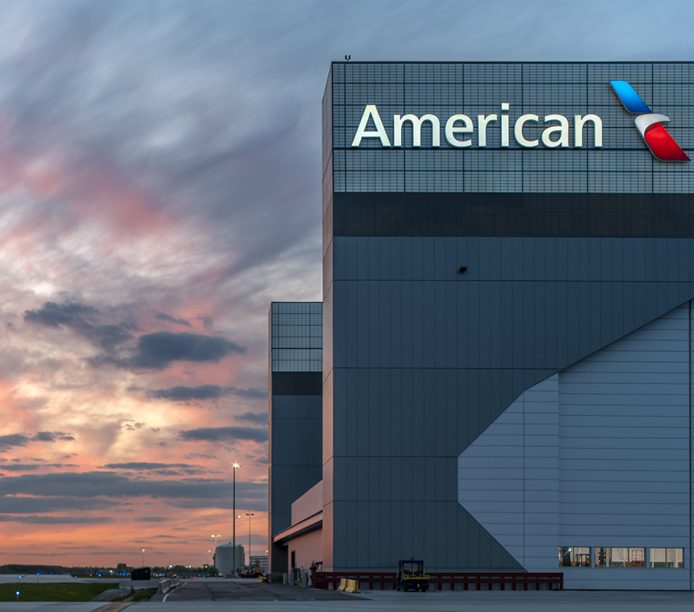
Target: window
[
  {"x": 620, "y": 557},
  {"x": 574, "y": 556},
  {"x": 666, "y": 557}
]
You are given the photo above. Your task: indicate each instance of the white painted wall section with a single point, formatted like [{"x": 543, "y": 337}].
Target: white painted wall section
[{"x": 597, "y": 455}]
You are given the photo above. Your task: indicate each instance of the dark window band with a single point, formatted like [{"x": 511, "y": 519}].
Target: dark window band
[
  {"x": 297, "y": 383},
  {"x": 514, "y": 214}
]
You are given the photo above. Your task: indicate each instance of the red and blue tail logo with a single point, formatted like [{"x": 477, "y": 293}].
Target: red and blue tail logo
[{"x": 649, "y": 124}]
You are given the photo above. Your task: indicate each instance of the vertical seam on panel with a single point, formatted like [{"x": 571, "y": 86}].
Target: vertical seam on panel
[
  {"x": 524, "y": 476},
  {"x": 587, "y": 149},
  {"x": 462, "y": 157},
  {"x": 344, "y": 142},
  {"x": 652, "y": 158},
  {"x": 689, "y": 353},
  {"x": 522, "y": 152},
  {"x": 404, "y": 149}
]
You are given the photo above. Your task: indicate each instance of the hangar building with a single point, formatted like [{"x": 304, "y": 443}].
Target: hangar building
[{"x": 506, "y": 371}]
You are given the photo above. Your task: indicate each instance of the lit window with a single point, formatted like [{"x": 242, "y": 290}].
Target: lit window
[
  {"x": 666, "y": 557},
  {"x": 574, "y": 556},
  {"x": 620, "y": 557}
]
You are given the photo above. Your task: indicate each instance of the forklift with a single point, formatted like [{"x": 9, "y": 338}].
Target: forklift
[{"x": 411, "y": 575}]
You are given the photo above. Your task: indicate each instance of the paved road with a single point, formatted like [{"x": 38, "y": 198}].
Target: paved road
[
  {"x": 249, "y": 590},
  {"x": 254, "y": 597},
  {"x": 445, "y": 601},
  {"x": 250, "y": 596}
]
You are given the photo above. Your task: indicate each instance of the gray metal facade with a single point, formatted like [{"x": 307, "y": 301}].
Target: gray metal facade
[
  {"x": 478, "y": 88},
  {"x": 597, "y": 455},
  {"x": 295, "y": 412},
  {"x": 420, "y": 359}
]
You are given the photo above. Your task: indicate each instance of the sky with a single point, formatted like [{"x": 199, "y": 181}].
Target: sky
[{"x": 159, "y": 186}]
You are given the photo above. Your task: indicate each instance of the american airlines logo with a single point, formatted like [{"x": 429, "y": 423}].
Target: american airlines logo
[
  {"x": 529, "y": 130},
  {"x": 649, "y": 124}
]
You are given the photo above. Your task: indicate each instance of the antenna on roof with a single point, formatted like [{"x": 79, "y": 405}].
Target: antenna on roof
[{"x": 348, "y": 57}]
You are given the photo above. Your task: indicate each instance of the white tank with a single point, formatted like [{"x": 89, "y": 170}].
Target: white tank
[{"x": 224, "y": 558}]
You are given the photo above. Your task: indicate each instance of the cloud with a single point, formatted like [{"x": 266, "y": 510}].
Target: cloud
[
  {"x": 32, "y": 467},
  {"x": 84, "y": 320},
  {"x": 55, "y": 520},
  {"x": 152, "y": 351},
  {"x": 52, "y": 436},
  {"x": 161, "y": 469},
  {"x": 255, "y": 417},
  {"x": 162, "y": 316},
  {"x": 213, "y": 434},
  {"x": 54, "y": 315},
  {"x": 185, "y": 394},
  {"x": 11, "y": 440},
  {"x": 203, "y": 392},
  {"x": 97, "y": 485},
  {"x": 32, "y": 502},
  {"x": 157, "y": 350},
  {"x": 257, "y": 502},
  {"x": 249, "y": 393},
  {"x": 145, "y": 465},
  {"x": 138, "y": 426}
]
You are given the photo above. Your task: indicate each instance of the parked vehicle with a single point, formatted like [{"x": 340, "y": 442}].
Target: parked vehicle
[{"x": 411, "y": 575}]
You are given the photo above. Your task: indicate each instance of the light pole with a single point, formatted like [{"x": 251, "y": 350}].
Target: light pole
[
  {"x": 249, "y": 515},
  {"x": 238, "y": 516},
  {"x": 236, "y": 466},
  {"x": 143, "y": 557}
]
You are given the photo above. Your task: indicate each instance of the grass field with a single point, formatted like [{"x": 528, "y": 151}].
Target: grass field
[{"x": 58, "y": 591}]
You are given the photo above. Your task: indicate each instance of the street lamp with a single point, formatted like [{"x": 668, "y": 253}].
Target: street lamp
[
  {"x": 143, "y": 557},
  {"x": 249, "y": 515},
  {"x": 236, "y": 466},
  {"x": 238, "y": 516}
]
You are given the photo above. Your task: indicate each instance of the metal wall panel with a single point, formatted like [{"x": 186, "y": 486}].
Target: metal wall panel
[
  {"x": 597, "y": 455},
  {"x": 295, "y": 412},
  {"x": 423, "y": 359},
  {"x": 621, "y": 165}
]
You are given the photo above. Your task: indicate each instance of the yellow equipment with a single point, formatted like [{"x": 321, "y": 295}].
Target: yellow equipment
[{"x": 411, "y": 575}]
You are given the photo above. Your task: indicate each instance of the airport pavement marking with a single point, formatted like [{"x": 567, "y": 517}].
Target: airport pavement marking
[
  {"x": 114, "y": 607},
  {"x": 173, "y": 590}
]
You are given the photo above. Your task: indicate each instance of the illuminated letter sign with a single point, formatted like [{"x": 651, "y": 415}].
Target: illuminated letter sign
[{"x": 549, "y": 131}]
